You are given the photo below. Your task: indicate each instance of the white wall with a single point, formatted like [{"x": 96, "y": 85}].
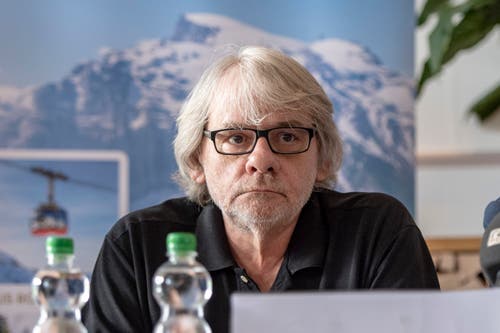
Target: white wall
[{"x": 458, "y": 172}]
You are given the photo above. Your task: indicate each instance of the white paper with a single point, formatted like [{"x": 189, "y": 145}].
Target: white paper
[
  {"x": 18, "y": 312},
  {"x": 367, "y": 311}
]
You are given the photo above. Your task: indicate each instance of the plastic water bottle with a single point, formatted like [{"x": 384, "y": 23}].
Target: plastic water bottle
[
  {"x": 182, "y": 286},
  {"x": 60, "y": 290}
]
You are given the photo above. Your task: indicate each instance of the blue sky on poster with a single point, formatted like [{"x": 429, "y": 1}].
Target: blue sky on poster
[{"x": 41, "y": 41}]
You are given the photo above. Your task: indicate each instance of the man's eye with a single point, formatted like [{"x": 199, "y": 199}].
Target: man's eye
[
  {"x": 288, "y": 137},
  {"x": 236, "y": 139}
]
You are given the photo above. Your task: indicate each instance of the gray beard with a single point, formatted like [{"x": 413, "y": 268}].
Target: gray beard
[
  {"x": 262, "y": 222},
  {"x": 257, "y": 223}
]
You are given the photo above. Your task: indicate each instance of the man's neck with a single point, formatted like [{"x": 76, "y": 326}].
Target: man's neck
[{"x": 259, "y": 253}]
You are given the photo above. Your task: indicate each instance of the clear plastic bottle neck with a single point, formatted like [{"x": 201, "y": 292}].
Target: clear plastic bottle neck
[
  {"x": 182, "y": 257},
  {"x": 60, "y": 261}
]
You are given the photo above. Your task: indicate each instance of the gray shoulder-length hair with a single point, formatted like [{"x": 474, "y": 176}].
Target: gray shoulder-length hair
[{"x": 266, "y": 81}]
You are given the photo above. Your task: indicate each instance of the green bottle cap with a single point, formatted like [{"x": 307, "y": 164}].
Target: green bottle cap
[
  {"x": 180, "y": 242},
  {"x": 59, "y": 245}
]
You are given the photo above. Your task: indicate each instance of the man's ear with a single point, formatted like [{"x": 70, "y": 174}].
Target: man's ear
[
  {"x": 197, "y": 175},
  {"x": 323, "y": 171}
]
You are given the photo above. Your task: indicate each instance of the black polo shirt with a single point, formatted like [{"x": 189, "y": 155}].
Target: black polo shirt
[{"x": 342, "y": 241}]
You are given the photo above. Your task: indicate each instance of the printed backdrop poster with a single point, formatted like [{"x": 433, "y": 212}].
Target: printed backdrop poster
[{"x": 112, "y": 76}]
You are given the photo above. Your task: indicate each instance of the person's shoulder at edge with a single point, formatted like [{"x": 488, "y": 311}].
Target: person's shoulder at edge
[{"x": 176, "y": 210}]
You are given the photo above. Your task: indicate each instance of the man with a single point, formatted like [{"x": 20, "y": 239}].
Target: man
[{"x": 257, "y": 150}]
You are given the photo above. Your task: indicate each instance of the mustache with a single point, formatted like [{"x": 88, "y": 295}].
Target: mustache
[{"x": 261, "y": 183}]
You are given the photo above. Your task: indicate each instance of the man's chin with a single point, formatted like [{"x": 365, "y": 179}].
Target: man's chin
[
  {"x": 260, "y": 204},
  {"x": 260, "y": 216},
  {"x": 257, "y": 222}
]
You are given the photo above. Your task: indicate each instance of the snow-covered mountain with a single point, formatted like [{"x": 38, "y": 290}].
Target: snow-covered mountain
[
  {"x": 13, "y": 272},
  {"x": 128, "y": 99}
]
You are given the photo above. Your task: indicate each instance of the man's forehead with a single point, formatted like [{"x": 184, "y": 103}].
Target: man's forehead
[{"x": 238, "y": 118}]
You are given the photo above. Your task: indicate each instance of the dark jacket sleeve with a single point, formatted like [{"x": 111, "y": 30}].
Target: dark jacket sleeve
[{"x": 114, "y": 304}]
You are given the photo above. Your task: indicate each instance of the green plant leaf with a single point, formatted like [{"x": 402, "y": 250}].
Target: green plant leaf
[
  {"x": 487, "y": 105},
  {"x": 479, "y": 18},
  {"x": 430, "y": 7},
  {"x": 446, "y": 40},
  {"x": 440, "y": 37},
  {"x": 424, "y": 76},
  {"x": 474, "y": 4},
  {"x": 473, "y": 27}
]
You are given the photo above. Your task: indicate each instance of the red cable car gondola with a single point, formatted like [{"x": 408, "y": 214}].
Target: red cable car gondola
[{"x": 49, "y": 218}]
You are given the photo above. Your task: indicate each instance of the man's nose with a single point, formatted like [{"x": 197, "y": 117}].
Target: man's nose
[{"x": 262, "y": 159}]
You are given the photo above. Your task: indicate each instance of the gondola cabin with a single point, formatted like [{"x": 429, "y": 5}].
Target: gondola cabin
[{"x": 50, "y": 219}]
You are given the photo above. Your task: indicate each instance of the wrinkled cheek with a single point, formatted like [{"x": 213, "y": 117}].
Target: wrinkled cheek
[
  {"x": 215, "y": 176},
  {"x": 220, "y": 189}
]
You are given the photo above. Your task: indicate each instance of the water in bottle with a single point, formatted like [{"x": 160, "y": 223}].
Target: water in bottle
[
  {"x": 182, "y": 286},
  {"x": 60, "y": 290}
]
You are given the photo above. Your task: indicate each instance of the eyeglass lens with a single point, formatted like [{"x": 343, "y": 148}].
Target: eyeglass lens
[{"x": 281, "y": 140}]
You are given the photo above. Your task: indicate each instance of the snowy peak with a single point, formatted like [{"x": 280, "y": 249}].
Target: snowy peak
[
  {"x": 12, "y": 272},
  {"x": 18, "y": 96},
  {"x": 346, "y": 56},
  {"x": 219, "y": 31},
  {"x": 188, "y": 30}
]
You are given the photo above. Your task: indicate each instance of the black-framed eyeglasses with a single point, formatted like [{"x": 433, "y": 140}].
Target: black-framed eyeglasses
[{"x": 281, "y": 140}]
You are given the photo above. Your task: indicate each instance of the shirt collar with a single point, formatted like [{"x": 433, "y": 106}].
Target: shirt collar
[
  {"x": 308, "y": 244},
  {"x": 213, "y": 246}
]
